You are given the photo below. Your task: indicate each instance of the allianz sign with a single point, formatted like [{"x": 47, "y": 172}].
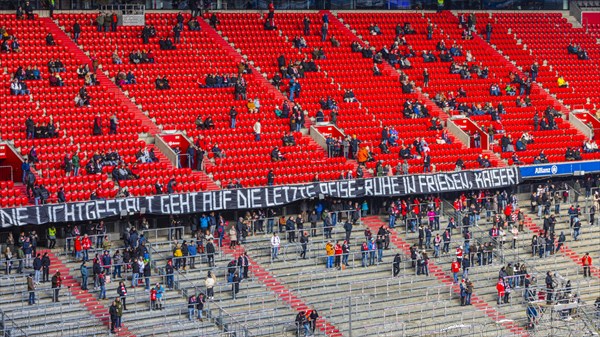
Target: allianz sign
[{"x": 546, "y": 170}]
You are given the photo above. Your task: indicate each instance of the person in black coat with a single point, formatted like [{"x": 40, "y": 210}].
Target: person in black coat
[
  {"x": 235, "y": 284},
  {"x": 396, "y": 265},
  {"x": 112, "y": 311},
  {"x": 76, "y": 31}
]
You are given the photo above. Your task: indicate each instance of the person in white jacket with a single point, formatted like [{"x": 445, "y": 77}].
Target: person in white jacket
[
  {"x": 515, "y": 233},
  {"x": 275, "y": 246},
  {"x": 210, "y": 282}
]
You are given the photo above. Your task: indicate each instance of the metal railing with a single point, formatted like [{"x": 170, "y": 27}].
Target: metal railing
[
  {"x": 9, "y": 327},
  {"x": 223, "y": 320}
]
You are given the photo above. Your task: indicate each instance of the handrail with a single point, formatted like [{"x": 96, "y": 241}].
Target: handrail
[{"x": 6, "y": 329}]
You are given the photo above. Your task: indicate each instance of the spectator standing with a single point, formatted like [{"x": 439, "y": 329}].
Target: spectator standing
[
  {"x": 586, "y": 261},
  {"x": 112, "y": 311},
  {"x": 45, "y": 268},
  {"x": 56, "y": 284},
  {"x": 200, "y": 301},
  {"x": 84, "y": 276},
  {"x": 275, "y": 242},
  {"x": 31, "y": 289},
  {"x": 210, "y": 282},
  {"x": 122, "y": 292}
]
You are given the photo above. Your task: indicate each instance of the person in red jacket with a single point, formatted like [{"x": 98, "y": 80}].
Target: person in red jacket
[
  {"x": 455, "y": 268},
  {"x": 500, "y": 288},
  {"x": 77, "y": 247},
  {"x": 86, "y": 244},
  {"x": 153, "y": 298},
  {"x": 338, "y": 255},
  {"x": 586, "y": 261}
]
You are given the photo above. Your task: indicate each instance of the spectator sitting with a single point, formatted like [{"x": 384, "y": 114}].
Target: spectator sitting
[
  {"x": 318, "y": 53},
  {"x": 428, "y": 56},
  {"x": 193, "y": 25},
  {"x": 276, "y": 155},
  {"x": 464, "y": 73},
  {"x": 50, "y": 40},
  {"x": 495, "y": 90},
  {"x": 349, "y": 96},
  {"x": 516, "y": 160},
  {"x": 569, "y": 154},
  {"x": 90, "y": 79},
  {"x": 510, "y": 90},
  {"x": 166, "y": 44},
  {"x": 590, "y": 146},
  {"x": 520, "y": 145},
  {"x": 208, "y": 123},
  {"x": 56, "y": 80},
  {"x": 82, "y": 101},
  {"x": 582, "y": 54},
  {"x": 376, "y": 71},
  {"x": 162, "y": 83},
  {"x": 33, "y": 73},
  {"x": 483, "y": 161},
  {"x": 55, "y": 65},
  {"x": 374, "y": 29},
  {"x": 543, "y": 158},
  {"x": 82, "y": 70},
  {"x": 217, "y": 151},
  {"x": 289, "y": 140},
  {"x": 407, "y": 29},
  {"x": 116, "y": 59},
  {"x": 562, "y": 83},
  {"x": 467, "y": 34},
  {"x": 572, "y": 49},
  {"x": 334, "y": 42},
  {"x": 18, "y": 88}
]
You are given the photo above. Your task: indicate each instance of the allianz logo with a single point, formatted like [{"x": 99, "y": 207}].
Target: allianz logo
[{"x": 546, "y": 170}]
